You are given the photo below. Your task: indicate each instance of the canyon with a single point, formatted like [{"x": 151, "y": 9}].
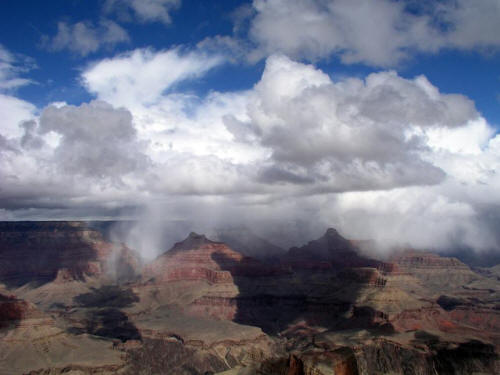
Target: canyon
[{"x": 74, "y": 302}]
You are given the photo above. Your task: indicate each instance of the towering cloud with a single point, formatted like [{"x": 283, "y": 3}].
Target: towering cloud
[{"x": 353, "y": 134}]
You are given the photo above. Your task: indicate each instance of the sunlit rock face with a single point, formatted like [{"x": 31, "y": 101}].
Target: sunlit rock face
[
  {"x": 203, "y": 307},
  {"x": 198, "y": 258}
]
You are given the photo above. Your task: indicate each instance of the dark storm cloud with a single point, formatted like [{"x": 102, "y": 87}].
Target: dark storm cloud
[
  {"x": 6, "y": 145},
  {"x": 30, "y": 139},
  {"x": 276, "y": 174}
]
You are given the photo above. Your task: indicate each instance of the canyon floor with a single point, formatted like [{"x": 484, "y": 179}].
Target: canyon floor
[{"x": 73, "y": 302}]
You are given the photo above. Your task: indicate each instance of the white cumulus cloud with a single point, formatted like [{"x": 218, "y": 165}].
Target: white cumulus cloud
[
  {"x": 374, "y": 32},
  {"x": 142, "y": 75}
]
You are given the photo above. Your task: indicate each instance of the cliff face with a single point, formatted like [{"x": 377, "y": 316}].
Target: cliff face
[
  {"x": 432, "y": 270},
  {"x": 202, "y": 307},
  {"x": 41, "y": 252},
  {"x": 198, "y": 258}
]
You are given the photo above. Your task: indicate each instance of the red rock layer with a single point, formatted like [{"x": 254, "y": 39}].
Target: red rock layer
[
  {"x": 431, "y": 319},
  {"x": 198, "y": 258},
  {"x": 487, "y": 320}
]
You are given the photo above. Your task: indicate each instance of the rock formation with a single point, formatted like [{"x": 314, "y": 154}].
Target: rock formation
[{"x": 72, "y": 301}]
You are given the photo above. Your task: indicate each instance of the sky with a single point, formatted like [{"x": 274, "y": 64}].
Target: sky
[{"x": 380, "y": 118}]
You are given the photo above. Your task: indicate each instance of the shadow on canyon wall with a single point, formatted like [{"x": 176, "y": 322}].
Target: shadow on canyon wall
[
  {"x": 103, "y": 314},
  {"x": 34, "y": 252},
  {"x": 294, "y": 301},
  {"x": 12, "y": 311}
]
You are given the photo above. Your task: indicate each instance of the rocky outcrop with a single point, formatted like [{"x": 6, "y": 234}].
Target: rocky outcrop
[
  {"x": 173, "y": 356},
  {"x": 341, "y": 361},
  {"x": 385, "y": 356}
]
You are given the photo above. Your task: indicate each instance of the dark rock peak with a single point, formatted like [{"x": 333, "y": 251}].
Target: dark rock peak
[
  {"x": 193, "y": 241},
  {"x": 331, "y": 232},
  {"x": 334, "y": 237},
  {"x": 333, "y": 248},
  {"x": 331, "y": 241},
  {"x": 329, "y": 246},
  {"x": 246, "y": 242},
  {"x": 195, "y": 235}
]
